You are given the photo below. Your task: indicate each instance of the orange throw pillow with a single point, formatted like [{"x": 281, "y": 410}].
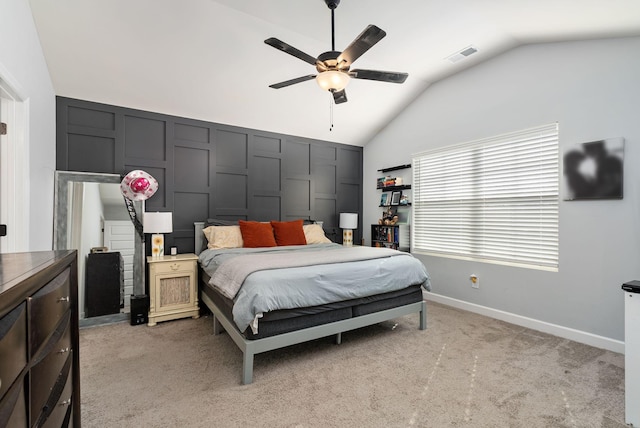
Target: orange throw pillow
[
  {"x": 256, "y": 234},
  {"x": 289, "y": 232}
]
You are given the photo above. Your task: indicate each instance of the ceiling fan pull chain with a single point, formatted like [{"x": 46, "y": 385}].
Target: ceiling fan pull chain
[{"x": 330, "y": 113}]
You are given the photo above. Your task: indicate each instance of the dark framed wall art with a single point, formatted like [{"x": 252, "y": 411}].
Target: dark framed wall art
[{"x": 594, "y": 170}]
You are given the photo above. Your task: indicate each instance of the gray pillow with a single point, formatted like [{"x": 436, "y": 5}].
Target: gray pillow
[{"x": 219, "y": 222}]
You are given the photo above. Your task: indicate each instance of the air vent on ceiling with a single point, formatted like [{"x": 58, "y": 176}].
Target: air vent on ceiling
[{"x": 462, "y": 54}]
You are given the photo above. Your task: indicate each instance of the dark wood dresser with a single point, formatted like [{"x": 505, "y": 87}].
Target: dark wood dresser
[{"x": 39, "y": 359}]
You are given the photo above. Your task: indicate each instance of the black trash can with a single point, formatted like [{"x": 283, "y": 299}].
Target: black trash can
[{"x": 139, "y": 309}]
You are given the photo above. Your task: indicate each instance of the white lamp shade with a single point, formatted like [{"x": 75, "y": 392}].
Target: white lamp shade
[
  {"x": 158, "y": 222},
  {"x": 332, "y": 79},
  {"x": 348, "y": 220}
]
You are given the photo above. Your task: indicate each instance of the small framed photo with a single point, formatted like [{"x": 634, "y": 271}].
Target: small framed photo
[
  {"x": 395, "y": 198},
  {"x": 384, "y": 200}
]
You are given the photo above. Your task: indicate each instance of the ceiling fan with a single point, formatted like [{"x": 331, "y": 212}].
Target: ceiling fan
[{"x": 333, "y": 66}]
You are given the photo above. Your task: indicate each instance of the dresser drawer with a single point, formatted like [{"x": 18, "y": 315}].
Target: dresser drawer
[
  {"x": 46, "y": 372},
  {"x": 60, "y": 415},
  {"x": 13, "y": 346},
  {"x": 47, "y": 307},
  {"x": 13, "y": 407}
]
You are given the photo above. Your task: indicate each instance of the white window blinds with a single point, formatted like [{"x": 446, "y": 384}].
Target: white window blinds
[{"x": 492, "y": 200}]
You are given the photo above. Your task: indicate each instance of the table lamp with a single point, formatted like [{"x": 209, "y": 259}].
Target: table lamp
[
  {"x": 157, "y": 223},
  {"x": 348, "y": 222}
]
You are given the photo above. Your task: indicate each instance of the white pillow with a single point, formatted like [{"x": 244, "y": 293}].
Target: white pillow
[
  {"x": 314, "y": 234},
  {"x": 223, "y": 237}
]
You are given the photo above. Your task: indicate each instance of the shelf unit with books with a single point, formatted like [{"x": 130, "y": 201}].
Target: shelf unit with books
[
  {"x": 393, "y": 236},
  {"x": 397, "y": 209},
  {"x": 392, "y": 187},
  {"x": 392, "y": 184}
]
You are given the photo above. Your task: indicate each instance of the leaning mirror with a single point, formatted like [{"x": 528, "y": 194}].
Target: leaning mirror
[{"x": 90, "y": 216}]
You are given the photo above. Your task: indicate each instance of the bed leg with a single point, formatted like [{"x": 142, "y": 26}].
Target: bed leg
[
  {"x": 338, "y": 338},
  {"x": 423, "y": 316},
  {"x": 247, "y": 368},
  {"x": 217, "y": 327}
]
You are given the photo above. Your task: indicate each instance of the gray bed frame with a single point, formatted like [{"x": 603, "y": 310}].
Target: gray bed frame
[{"x": 250, "y": 348}]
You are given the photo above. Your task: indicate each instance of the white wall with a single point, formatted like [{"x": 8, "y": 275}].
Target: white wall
[
  {"x": 592, "y": 88},
  {"x": 23, "y": 67},
  {"x": 116, "y": 212}
]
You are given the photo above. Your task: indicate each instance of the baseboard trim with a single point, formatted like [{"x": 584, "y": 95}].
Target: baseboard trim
[{"x": 545, "y": 327}]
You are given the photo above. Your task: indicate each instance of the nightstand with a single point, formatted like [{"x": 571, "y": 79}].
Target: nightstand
[{"x": 173, "y": 287}]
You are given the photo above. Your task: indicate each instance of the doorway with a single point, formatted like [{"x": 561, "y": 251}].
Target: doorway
[
  {"x": 119, "y": 236},
  {"x": 14, "y": 171}
]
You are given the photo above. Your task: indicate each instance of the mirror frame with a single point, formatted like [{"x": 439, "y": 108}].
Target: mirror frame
[
  {"x": 60, "y": 232},
  {"x": 61, "y": 200}
]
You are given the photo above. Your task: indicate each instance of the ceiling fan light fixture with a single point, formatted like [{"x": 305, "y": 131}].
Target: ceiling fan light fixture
[{"x": 332, "y": 80}]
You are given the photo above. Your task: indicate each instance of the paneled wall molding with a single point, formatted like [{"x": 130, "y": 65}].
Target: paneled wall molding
[{"x": 211, "y": 170}]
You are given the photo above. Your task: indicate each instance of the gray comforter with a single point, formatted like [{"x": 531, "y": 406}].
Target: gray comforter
[{"x": 266, "y": 279}]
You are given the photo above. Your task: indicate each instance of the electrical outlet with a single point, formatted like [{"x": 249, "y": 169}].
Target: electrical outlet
[{"x": 475, "y": 281}]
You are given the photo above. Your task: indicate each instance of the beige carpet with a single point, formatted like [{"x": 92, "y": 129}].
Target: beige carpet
[{"x": 465, "y": 370}]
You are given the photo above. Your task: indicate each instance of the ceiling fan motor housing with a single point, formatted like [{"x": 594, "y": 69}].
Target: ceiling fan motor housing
[{"x": 329, "y": 61}]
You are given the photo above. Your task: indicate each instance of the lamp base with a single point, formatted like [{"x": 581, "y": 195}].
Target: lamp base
[
  {"x": 157, "y": 245},
  {"x": 347, "y": 237}
]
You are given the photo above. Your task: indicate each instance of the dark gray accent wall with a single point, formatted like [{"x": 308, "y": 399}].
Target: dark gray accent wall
[{"x": 210, "y": 170}]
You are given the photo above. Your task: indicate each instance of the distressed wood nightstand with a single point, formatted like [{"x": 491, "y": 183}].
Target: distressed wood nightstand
[{"x": 173, "y": 287}]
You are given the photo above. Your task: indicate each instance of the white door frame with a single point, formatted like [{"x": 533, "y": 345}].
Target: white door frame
[{"x": 14, "y": 170}]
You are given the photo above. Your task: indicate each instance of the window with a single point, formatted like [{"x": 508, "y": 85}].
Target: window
[{"x": 493, "y": 200}]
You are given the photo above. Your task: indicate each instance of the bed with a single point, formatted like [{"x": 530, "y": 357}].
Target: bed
[{"x": 269, "y": 297}]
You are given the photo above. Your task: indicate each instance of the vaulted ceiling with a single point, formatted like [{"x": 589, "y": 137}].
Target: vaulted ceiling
[{"x": 207, "y": 60}]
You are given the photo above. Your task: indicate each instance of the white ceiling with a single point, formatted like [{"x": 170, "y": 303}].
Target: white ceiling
[
  {"x": 205, "y": 59},
  {"x": 110, "y": 194}
]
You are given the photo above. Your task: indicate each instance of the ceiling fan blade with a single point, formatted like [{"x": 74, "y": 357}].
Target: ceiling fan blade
[
  {"x": 284, "y": 47},
  {"x": 292, "y": 81},
  {"x": 339, "y": 97},
  {"x": 369, "y": 37},
  {"x": 382, "y": 76}
]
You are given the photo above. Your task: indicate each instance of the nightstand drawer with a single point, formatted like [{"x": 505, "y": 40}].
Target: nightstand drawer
[{"x": 173, "y": 267}]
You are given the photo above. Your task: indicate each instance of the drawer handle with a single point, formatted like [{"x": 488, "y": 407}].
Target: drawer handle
[
  {"x": 65, "y": 402},
  {"x": 63, "y": 299},
  {"x": 64, "y": 350},
  {"x": 175, "y": 266}
]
